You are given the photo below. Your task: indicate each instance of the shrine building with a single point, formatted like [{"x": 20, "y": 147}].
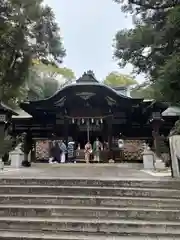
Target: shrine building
[{"x": 88, "y": 109}]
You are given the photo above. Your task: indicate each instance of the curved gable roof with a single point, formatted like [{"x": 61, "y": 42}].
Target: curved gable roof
[
  {"x": 86, "y": 83},
  {"x": 86, "y": 88}
]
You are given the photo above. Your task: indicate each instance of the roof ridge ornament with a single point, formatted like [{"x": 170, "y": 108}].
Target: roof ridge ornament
[
  {"x": 91, "y": 73},
  {"x": 88, "y": 76}
]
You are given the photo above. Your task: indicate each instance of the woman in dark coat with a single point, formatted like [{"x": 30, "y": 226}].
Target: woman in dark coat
[{"x": 55, "y": 152}]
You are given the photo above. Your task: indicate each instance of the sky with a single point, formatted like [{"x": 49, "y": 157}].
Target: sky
[{"x": 88, "y": 28}]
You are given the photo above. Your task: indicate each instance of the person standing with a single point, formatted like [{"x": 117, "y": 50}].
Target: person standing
[
  {"x": 53, "y": 152},
  {"x": 79, "y": 146},
  {"x": 121, "y": 147},
  {"x": 63, "y": 151},
  {"x": 97, "y": 147},
  {"x": 120, "y": 143},
  {"x": 87, "y": 151},
  {"x": 105, "y": 145},
  {"x": 71, "y": 152}
]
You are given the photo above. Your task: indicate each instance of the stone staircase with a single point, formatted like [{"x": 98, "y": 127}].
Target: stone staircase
[{"x": 64, "y": 209}]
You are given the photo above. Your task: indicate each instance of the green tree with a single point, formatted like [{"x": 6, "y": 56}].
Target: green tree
[
  {"x": 27, "y": 30},
  {"x": 153, "y": 45},
  {"x": 44, "y": 80},
  {"x": 145, "y": 90},
  {"x": 117, "y": 79}
]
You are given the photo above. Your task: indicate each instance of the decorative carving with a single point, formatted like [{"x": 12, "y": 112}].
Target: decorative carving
[
  {"x": 42, "y": 149},
  {"x": 133, "y": 149},
  {"x": 91, "y": 73},
  {"x": 85, "y": 95},
  {"x": 60, "y": 102},
  {"x": 110, "y": 101}
]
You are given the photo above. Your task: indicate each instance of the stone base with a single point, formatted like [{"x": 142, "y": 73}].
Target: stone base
[
  {"x": 159, "y": 164},
  {"x": 16, "y": 159}
]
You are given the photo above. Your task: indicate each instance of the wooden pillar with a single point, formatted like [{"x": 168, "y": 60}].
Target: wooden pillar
[
  {"x": 66, "y": 130},
  {"x": 104, "y": 132},
  {"x": 76, "y": 133},
  {"x": 110, "y": 133},
  {"x": 33, "y": 152},
  {"x": 109, "y": 122}
]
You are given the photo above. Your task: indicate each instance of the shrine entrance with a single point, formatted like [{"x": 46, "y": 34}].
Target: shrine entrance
[
  {"x": 88, "y": 129},
  {"x": 82, "y": 138}
]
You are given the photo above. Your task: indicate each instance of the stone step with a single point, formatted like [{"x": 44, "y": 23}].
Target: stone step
[
  {"x": 80, "y": 200},
  {"x": 4, "y": 235},
  {"x": 89, "y": 190},
  {"x": 93, "y": 225},
  {"x": 51, "y": 211},
  {"x": 148, "y": 183}
]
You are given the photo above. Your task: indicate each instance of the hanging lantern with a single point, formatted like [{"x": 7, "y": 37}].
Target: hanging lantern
[
  {"x": 73, "y": 120},
  {"x": 92, "y": 120},
  {"x": 101, "y": 121},
  {"x": 82, "y": 120}
]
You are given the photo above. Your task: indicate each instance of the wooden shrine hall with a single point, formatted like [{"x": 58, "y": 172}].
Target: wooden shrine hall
[{"x": 88, "y": 109}]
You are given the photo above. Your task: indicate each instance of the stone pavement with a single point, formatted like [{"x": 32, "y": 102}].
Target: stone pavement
[{"x": 90, "y": 171}]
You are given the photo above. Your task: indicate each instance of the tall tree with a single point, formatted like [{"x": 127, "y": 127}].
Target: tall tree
[
  {"x": 27, "y": 30},
  {"x": 117, "y": 79},
  {"x": 145, "y": 90},
  {"x": 44, "y": 80},
  {"x": 153, "y": 45}
]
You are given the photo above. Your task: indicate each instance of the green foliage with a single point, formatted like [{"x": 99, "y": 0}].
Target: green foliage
[
  {"x": 176, "y": 129},
  {"x": 117, "y": 79},
  {"x": 144, "y": 90},
  {"x": 169, "y": 79},
  {"x": 27, "y": 30},
  {"x": 53, "y": 70},
  {"x": 44, "y": 80},
  {"x": 153, "y": 45}
]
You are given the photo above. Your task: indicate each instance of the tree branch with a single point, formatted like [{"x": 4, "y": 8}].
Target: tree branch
[{"x": 156, "y": 5}]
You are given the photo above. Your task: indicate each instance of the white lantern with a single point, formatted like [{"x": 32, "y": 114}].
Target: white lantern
[
  {"x": 92, "y": 120},
  {"x": 73, "y": 120}
]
